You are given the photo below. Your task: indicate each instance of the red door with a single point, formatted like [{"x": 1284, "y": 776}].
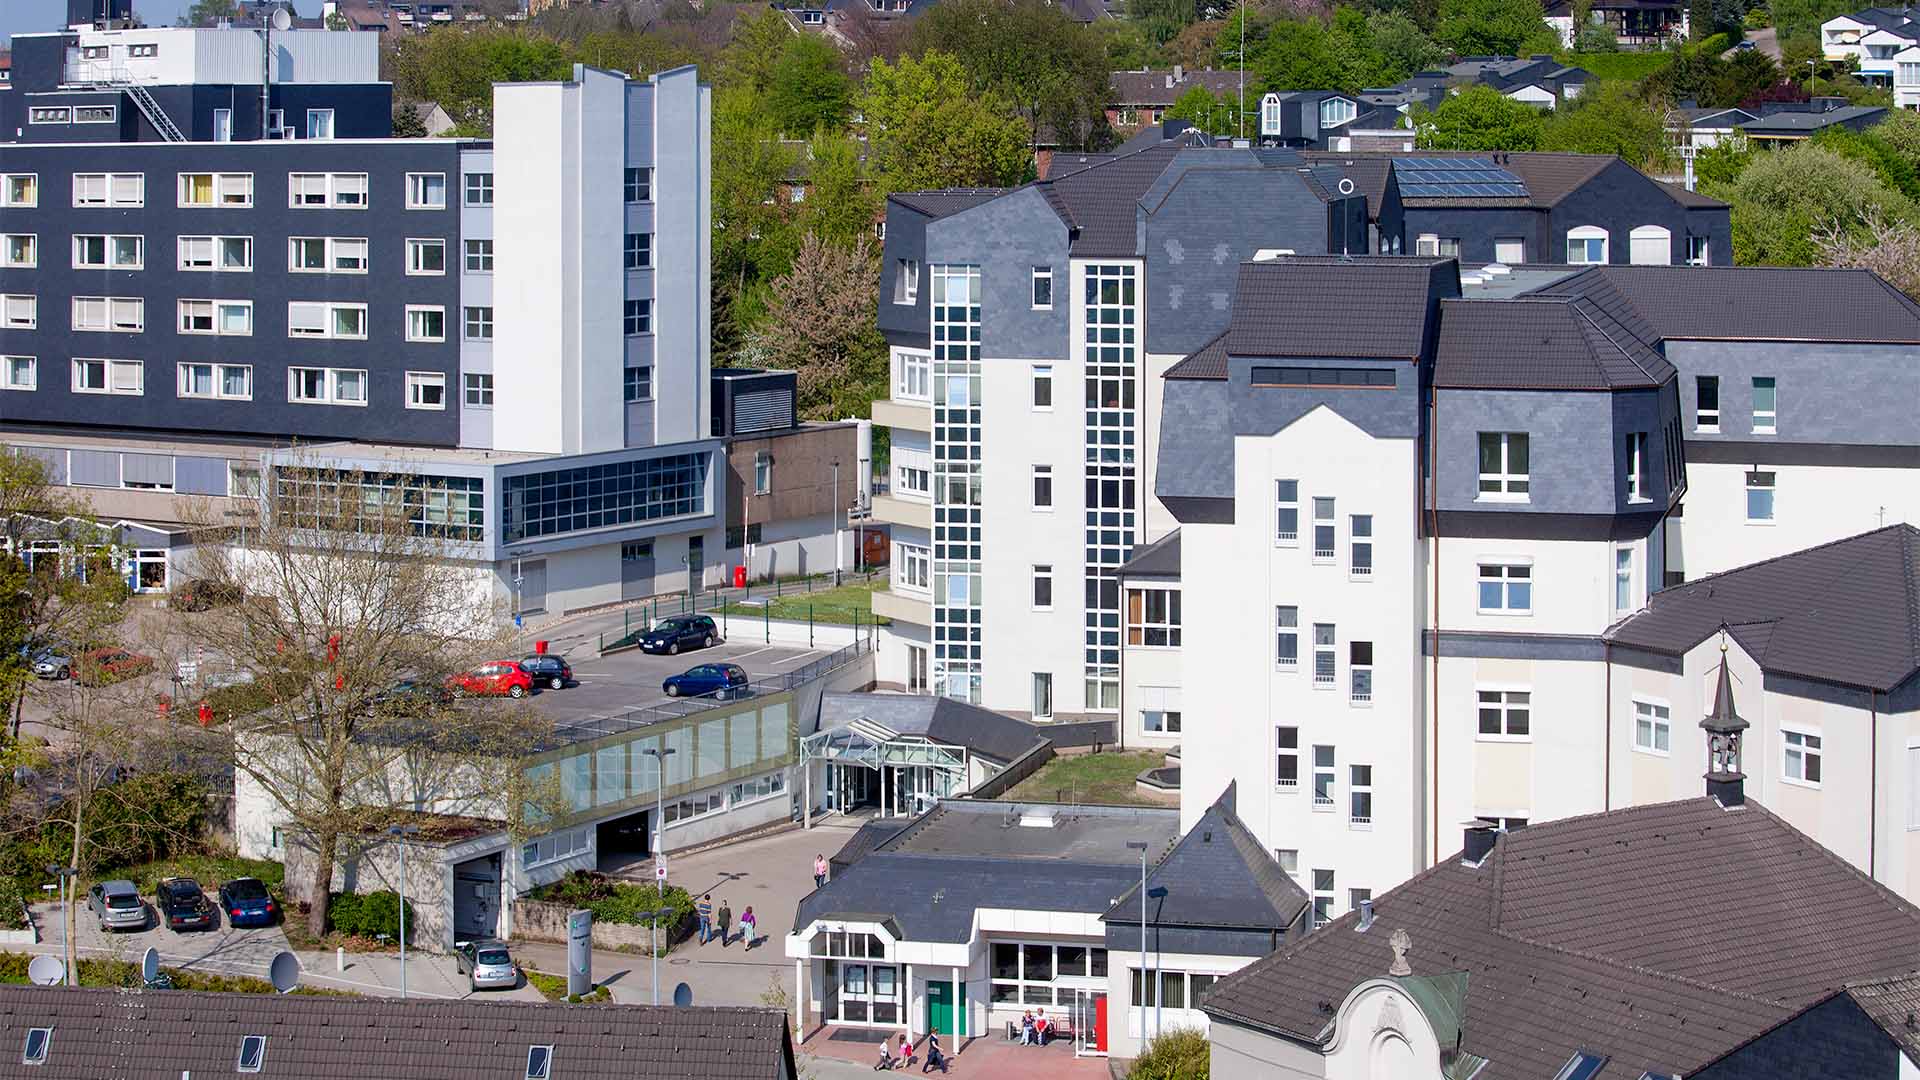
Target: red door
[{"x": 1100, "y": 1023}]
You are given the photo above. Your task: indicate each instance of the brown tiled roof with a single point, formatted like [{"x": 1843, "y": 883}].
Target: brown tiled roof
[
  {"x": 1150, "y": 87},
  {"x": 1689, "y": 198},
  {"x": 1847, "y": 612},
  {"x": 1103, "y": 201},
  {"x": 1535, "y": 344},
  {"x": 1893, "y": 1004},
  {"x": 1757, "y": 303},
  {"x": 1207, "y": 362},
  {"x": 1660, "y": 936},
  {"x": 1334, "y": 306},
  {"x": 170, "y": 1033},
  {"x": 940, "y": 203}
]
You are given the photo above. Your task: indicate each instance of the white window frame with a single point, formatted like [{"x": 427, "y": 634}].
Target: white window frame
[
  {"x": 1286, "y": 630},
  {"x": 477, "y": 189},
  {"x": 477, "y": 256},
  {"x": 1507, "y": 701},
  {"x": 1323, "y": 898},
  {"x": 10, "y": 303},
  {"x": 1042, "y": 702},
  {"x": 1326, "y": 766},
  {"x": 1286, "y": 502},
  {"x": 1503, "y": 567},
  {"x": 1143, "y": 627},
  {"x": 423, "y": 312},
  {"x": 906, "y": 285},
  {"x": 215, "y": 312},
  {"x": 632, "y": 315},
  {"x": 227, "y": 191},
  {"x": 1638, "y": 482},
  {"x": 1038, "y": 574},
  {"x": 913, "y": 477},
  {"x": 1356, "y": 790},
  {"x": 216, "y": 378},
  {"x": 637, "y": 184},
  {"x": 1508, "y": 486},
  {"x": 1039, "y": 474},
  {"x": 1795, "y": 745},
  {"x": 637, "y": 256},
  {"x": 1282, "y": 752},
  {"x": 1042, "y": 273},
  {"x": 319, "y": 124},
  {"x": 28, "y": 184},
  {"x": 336, "y": 191},
  {"x": 32, "y": 251},
  {"x": 417, "y": 250},
  {"x": 476, "y": 390},
  {"x": 1360, "y": 540},
  {"x": 419, "y": 383},
  {"x": 1325, "y": 516},
  {"x": 1623, "y": 574},
  {"x": 113, "y": 308},
  {"x": 1357, "y": 672},
  {"x": 329, "y": 310},
  {"x": 915, "y": 379},
  {"x": 1329, "y": 648},
  {"x": 1503, "y": 245},
  {"x": 1655, "y": 716},
  {"x": 332, "y": 250},
  {"x": 420, "y": 191},
  {"x": 186, "y": 248},
  {"x": 1771, "y": 486},
  {"x": 1584, "y": 235},
  {"x": 476, "y": 317},
  {"x": 331, "y": 381},
  {"x": 1037, "y": 376},
  {"x": 28, "y": 364},
  {"x": 1766, "y": 421},
  {"x": 1701, "y": 423},
  {"x": 111, "y": 372},
  {"x": 917, "y": 562},
  {"x": 116, "y": 189}
]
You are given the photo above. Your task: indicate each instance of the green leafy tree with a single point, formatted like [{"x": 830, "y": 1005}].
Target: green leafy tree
[
  {"x": 1128, "y": 47},
  {"x": 1028, "y": 53},
  {"x": 755, "y": 48},
  {"x": 407, "y": 124},
  {"x": 1721, "y": 163},
  {"x": 1494, "y": 28},
  {"x": 1216, "y": 42},
  {"x": 1298, "y": 54},
  {"x": 928, "y": 128},
  {"x": 1174, "y": 1054},
  {"x": 458, "y": 67},
  {"x": 751, "y": 237},
  {"x": 208, "y": 12},
  {"x": 808, "y": 90},
  {"x": 1895, "y": 171},
  {"x": 819, "y": 323},
  {"x": 1200, "y": 108},
  {"x": 1161, "y": 20},
  {"x": 1783, "y": 199},
  {"x": 1802, "y": 18},
  {"x": 1900, "y": 131},
  {"x": 1403, "y": 47},
  {"x": 841, "y": 205},
  {"x": 1610, "y": 118},
  {"x": 1479, "y": 118}
]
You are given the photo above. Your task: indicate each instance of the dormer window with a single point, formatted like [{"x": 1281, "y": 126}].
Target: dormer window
[{"x": 1336, "y": 111}]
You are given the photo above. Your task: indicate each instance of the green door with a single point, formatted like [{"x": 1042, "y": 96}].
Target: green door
[{"x": 941, "y": 1013}]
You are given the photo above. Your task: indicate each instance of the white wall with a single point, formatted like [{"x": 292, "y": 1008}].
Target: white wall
[
  {"x": 476, "y": 290},
  {"x": 1813, "y": 504}
]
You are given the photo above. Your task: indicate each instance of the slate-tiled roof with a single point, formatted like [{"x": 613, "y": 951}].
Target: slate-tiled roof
[
  {"x": 933, "y": 899},
  {"x": 1756, "y": 303},
  {"x": 1847, "y": 612},
  {"x": 1218, "y": 875},
  {"x": 1102, "y": 202},
  {"x": 1150, "y": 87},
  {"x": 1335, "y": 306},
  {"x": 1806, "y": 123},
  {"x": 1534, "y": 344},
  {"x": 1158, "y": 559},
  {"x": 172, "y": 1033},
  {"x": 1690, "y": 199},
  {"x": 1659, "y": 936}
]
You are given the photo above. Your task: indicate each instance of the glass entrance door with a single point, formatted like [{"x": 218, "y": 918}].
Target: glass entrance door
[
  {"x": 1089, "y": 1013},
  {"x": 868, "y": 994}
]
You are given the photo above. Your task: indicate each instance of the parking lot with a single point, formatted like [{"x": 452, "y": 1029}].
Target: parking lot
[
  {"x": 612, "y": 685},
  {"x": 222, "y": 951}
]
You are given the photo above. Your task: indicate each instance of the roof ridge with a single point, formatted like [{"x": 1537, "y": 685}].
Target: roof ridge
[
  {"x": 1578, "y": 309},
  {"x": 1668, "y": 976}
]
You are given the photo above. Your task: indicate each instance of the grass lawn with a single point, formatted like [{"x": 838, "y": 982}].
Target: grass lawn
[
  {"x": 829, "y": 605},
  {"x": 1105, "y": 778},
  {"x": 1632, "y": 66}
]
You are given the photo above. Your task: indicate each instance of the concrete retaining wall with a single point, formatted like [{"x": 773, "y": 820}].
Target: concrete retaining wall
[{"x": 536, "y": 920}]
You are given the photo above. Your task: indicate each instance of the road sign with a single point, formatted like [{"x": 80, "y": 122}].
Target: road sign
[{"x": 660, "y": 871}]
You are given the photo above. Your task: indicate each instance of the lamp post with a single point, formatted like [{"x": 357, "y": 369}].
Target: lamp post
[
  {"x": 653, "y": 944},
  {"x": 1140, "y": 998},
  {"x": 836, "y": 523},
  {"x": 63, "y": 878},
  {"x": 402, "y": 832}
]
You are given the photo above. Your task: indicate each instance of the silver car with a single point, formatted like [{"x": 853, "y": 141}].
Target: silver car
[
  {"x": 52, "y": 664},
  {"x": 487, "y": 964},
  {"x": 118, "y": 906}
]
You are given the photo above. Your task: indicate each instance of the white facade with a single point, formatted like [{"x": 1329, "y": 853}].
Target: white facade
[
  {"x": 1740, "y": 514},
  {"x": 181, "y": 56}
]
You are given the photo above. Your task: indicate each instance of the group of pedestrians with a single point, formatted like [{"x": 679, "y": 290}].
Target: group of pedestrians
[
  {"x": 936, "y": 1056},
  {"x": 720, "y": 925}
]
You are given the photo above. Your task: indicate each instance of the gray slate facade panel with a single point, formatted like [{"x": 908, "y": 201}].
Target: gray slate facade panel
[
  {"x": 1825, "y": 392},
  {"x": 1007, "y": 237}
]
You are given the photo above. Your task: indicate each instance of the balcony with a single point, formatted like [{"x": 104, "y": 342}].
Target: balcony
[
  {"x": 903, "y": 608},
  {"x": 903, "y": 414},
  {"x": 912, "y": 513}
]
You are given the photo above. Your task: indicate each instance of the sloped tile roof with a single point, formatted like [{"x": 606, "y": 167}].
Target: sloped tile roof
[
  {"x": 1525, "y": 344},
  {"x": 938, "y": 204},
  {"x": 1218, "y": 875},
  {"x": 1158, "y": 559},
  {"x": 1334, "y": 306},
  {"x": 170, "y": 1033},
  {"x": 1150, "y": 87},
  {"x": 1209, "y": 361},
  {"x": 1103, "y": 202},
  {"x": 1660, "y": 936},
  {"x": 1847, "y": 612},
  {"x": 1892, "y": 1004},
  {"x": 1756, "y": 303}
]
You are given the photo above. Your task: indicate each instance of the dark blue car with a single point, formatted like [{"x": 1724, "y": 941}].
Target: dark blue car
[
  {"x": 677, "y": 632},
  {"x": 247, "y": 903},
  {"x": 727, "y": 680}
]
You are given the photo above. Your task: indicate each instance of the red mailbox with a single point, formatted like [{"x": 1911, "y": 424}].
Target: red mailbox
[{"x": 739, "y": 577}]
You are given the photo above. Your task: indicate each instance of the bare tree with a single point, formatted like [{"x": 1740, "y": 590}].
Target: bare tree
[
  {"x": 354, "y": 611},
  {"x": 1878, "y": 244}
]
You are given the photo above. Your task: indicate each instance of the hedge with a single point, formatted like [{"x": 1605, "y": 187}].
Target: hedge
[
  {"x": 368, "y": 914},
  {"x": 614, "y": 901}
]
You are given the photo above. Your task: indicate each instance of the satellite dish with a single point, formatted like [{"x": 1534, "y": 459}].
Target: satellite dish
[
  {"x": 46, "y": 971},
  {"x": 683, "y": 995},
  {"x": 150, "y": 964},
  {"x": 284, "y": 973},
  {"x": 1346, "y": 186},
  {"x": 281, "y": 20}
]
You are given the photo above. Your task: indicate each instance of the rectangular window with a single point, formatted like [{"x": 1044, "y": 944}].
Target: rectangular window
[
  {"x": 1706, "y": 406},
  {"x": 230, "y": 382},
  {"x": 1042, "y": 695},
  {"x": 426, "y": 257},
  {"x": 1506, "y": 714},
  {"x": 426, "y": 191},
  {"x": 426, "y": 323},
  {"x": 1360, "y": 537},
  {"x": 326, "y": 255},
  {"x": 1286, "y": 760},
  {"x": 1289, "y": 860},
  {"x": 637, "y": 384},
  {"x": 1360, "y": 671},
  {"x": 1800, "y": 756},
  {"x": 319, "y": 123},
  {"x": 109, "y": 189},
  {"x": 19, "y": 373},
  {"x": 1043, "y": 587},
  {"x": 1286, "y": 644},
  {"x": 1697, "y": 252},
  {"x": 19, "y": 312},
  {"x": 223, "y": 125},
  {"x": 1323, "y": 528},
  {"x": 1043, "y": 288},
  {"x": 906, "y": 281},
  {"x": 1324, "y": 674},
  {"x": 109, "y": 377},
  {"x": 479, "y": 390},
  {"x": 1636, "y": 447},
  {"x": 1286, "y": 497},
  {"x": 1764, "y": 405},
  {"x": 1043, "y": 487},
  {"x": 110, "y": 314},
  {"x": 1323, "y": 897},
  {"x": 1586, "y": 248},
  {"x": 203, "y": 190},
  {"x": 1161, "y": 720},
  {"x": 639, "y": 317},
  {"x": 1503, "y": 465},
  {"x": 20, "y": 250},
  {"x": 1760, "y": 497},
  {"x": 338, "y": 191},
  {"x": 913, "y": 479},
  {"x": 639, "y": 251},
  {"x": 1506, "y": 589},
  {"x": 216, "y": 253},
  {"x": 916, "y": 566},
  {"x": 34, "y": 1051},
  {"x": 1323, "y": 778},
  {"x": 327, "y": 386},
  {"x": 19, "y": 189},
  {"x": 639, "y": 185},
  {"x": 426, "y": 390},
  {"x": 1442, "y": 246},
  {"x": 1622, "y": 579},
  {"x": 1510, "y": 250},
  {"x": 1652, "y": 727},
  {"x": 479, "y": 323},
  {"x": 916, "y": 377},
  {"x": 310, "y": 318},
  {"x": 225, "y": 317},
  {"x": 479, "y": 189},
  {"x": 762, "y": 473},
  {"x": 1343, "y": 377},
  {"x": 479, "y": 256},
  {"x": 1043, "y": 387},
  {"x": 1360, "y": 795},
  {"x": 1153, "y": 617},
  {"x": 50, "y": 114}
]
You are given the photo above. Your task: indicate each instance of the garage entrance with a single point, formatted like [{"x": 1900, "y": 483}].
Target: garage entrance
[
  {"x": 624, "y": 842},
  {"x": 476, "y": 898}
]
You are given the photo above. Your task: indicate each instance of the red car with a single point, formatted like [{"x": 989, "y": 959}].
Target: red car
[
  {"x": 110, "y": 665},
  {"x": 493, "y": 678}
]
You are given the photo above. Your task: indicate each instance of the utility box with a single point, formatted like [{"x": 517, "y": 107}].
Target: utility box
[{"x": 748, "y": 401}]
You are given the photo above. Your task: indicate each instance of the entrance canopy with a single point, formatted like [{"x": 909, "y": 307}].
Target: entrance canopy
[{"x": 866, "y": 742}]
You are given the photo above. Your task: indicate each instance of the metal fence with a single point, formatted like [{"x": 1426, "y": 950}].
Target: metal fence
[{"x": 722, "y": 602}]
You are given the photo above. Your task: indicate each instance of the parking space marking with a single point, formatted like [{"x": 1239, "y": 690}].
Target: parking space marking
[
  {"x": 797, "y": 659},
  {"x": 756, "y": 652}
]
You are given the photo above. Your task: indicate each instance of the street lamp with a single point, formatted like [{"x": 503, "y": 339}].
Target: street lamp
[
  {"x": 1140, "y": 998},
  {"x": 836, "y": 523},
  {"x": 402, "y": 832},
  {"x": 659, "y": 754},
  {"x": 653, "y": 943},
  {"x": 62, "y": 876}
]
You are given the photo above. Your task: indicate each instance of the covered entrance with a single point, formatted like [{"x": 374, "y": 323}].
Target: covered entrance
[
  {"x": 1088, "y": 1012},
  {"x": 623, "y": 841},
  {"x": 946, "y": 1011},
  {"x": 476, "y": 898},
  {"x": 866, "y": 761}
]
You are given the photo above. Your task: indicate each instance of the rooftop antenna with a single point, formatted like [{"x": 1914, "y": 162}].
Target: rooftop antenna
[{"x": 1240, "y": 113}]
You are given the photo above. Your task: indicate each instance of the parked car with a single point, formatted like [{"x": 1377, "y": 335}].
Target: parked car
[
  {"x": 183, "y": 905},
  {"x": 677, "y": 632},
  {"x": 408, "y": 695},
  {"x": 487, "y": 964},
  {"x": 117, "y": 905},
  {"x": 493, "y": 678},
  {"x": 547, "y": 668},
  {"x": 111, "y": 665},
  {"x": 723, "y": 679},
  {"x": 49, "y": 662},
  {"x": 247, "y": 903},
  {"x": 204, "y": 595}
]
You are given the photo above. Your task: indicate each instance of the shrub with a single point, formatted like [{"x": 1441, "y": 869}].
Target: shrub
[
  {"x": 368, "y": 914},
  {"x": 614, "y": 901},
  {"x": 1178, "y": 1054}
]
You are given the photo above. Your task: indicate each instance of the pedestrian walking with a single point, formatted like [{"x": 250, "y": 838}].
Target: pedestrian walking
[
  {"x": 704, "y": 909},
  {"x": 906, "y": 1051},
  {"x": 749, "y": 927},
  {"x": 935, "y": 1058},
  {"x": 726, "y": 923},
  {"x": 819, "y": 870}
]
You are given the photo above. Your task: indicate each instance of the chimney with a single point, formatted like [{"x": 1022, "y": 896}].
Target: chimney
[
  {"x": 1477, "y": 843},
  {"x": 1179, "y": 73},
  {"x": 1724, "y": 727},
  {"x": 1366, "y": 916}
]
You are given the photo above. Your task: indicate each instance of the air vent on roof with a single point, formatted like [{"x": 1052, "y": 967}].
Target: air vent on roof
[
  {"x": 1496, "y": 269},
  {"x": 1037, "y": 818}
]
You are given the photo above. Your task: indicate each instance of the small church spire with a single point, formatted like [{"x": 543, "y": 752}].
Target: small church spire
[{"x": 1724, "y": 727}]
